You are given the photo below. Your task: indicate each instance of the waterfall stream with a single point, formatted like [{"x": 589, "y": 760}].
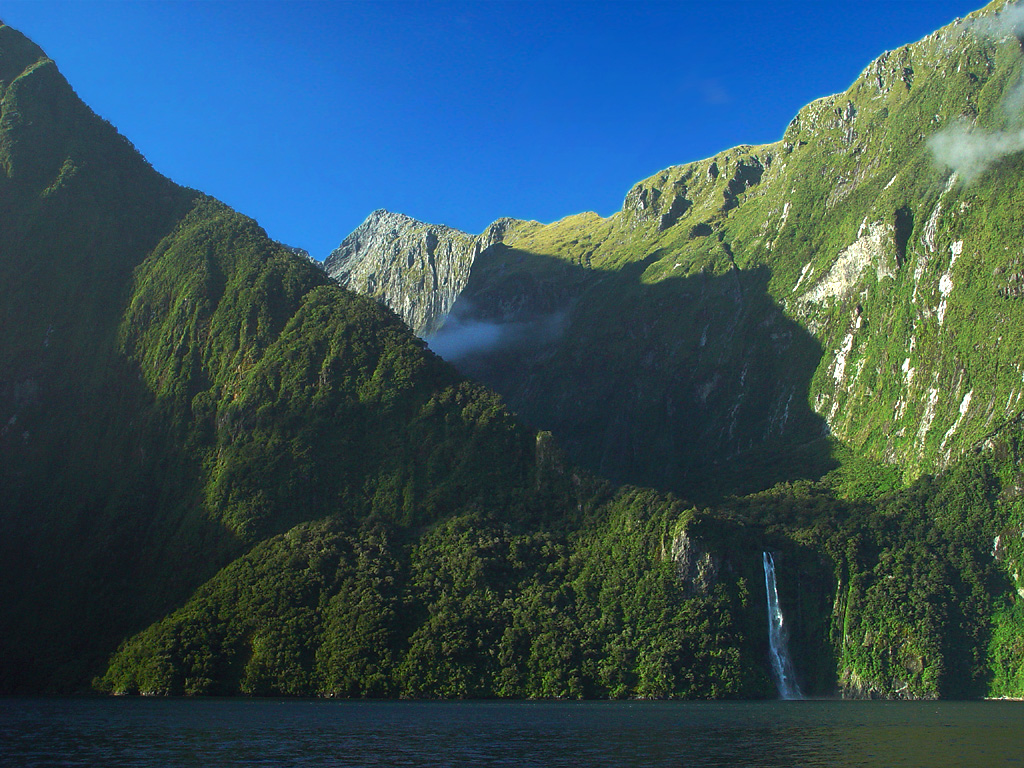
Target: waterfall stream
[{"x": 782, "y": 666}]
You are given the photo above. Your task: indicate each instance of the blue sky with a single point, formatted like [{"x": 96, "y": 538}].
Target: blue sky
[{"x": 309, "y": 115}]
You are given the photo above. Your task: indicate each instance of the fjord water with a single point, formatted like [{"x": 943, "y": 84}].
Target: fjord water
[{"x": 253, "y": 732}]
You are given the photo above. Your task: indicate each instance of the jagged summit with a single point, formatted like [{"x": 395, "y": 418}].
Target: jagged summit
[{"x": 416, "y": 269}]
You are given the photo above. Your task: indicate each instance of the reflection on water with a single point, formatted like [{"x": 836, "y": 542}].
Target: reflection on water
[{"x": 162, "y": 732}]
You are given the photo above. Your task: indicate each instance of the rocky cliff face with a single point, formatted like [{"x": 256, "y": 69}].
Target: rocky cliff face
[
  {"x": 416, "y": 269},
  {"x": 855, "y": 279}
]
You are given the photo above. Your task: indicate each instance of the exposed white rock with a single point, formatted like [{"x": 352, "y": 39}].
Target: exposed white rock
[
  {"x": 842, "y": 355},
  {"x": 785, "y": 215},
  {"x": 832, "y": 413},
  {"x": 862, "y": 227},
  {"x": 930, "y": 231},
  {"x": 928, "y": 416},
  {"x": 946, "y": 281},
  {"x": 908, "y": 371},
  {"x": 898, "y": 411},
  {"x": 873, "y": 248},
  {"x": 956, "y": 249},
  {"x": 965, "y": 405},
  {"x": 808, "y": 267}
]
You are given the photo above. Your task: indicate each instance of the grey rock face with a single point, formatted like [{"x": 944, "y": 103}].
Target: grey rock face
[
  {"x": 416, "y": 269},
  {"x": 697, "y": 568}
]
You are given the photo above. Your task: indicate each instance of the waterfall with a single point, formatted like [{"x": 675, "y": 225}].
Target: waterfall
[{"x": 782, "y": 667}]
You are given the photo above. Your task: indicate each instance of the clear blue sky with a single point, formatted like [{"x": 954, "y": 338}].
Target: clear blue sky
[{"x": 309, "y": 115}]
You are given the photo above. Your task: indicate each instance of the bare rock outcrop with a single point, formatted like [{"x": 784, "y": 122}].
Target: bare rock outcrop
[{"x": 416, "y": 269}]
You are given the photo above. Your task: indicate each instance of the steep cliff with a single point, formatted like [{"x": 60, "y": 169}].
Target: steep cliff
[
  {"x": 840, "y": 307},
  {"x": 416, "y": 269},
  {"x": 857, "y": 278}
]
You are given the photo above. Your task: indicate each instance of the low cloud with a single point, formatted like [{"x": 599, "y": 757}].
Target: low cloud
[
  {"x": 463, "y": 336},
  {"x": 458, "y": 339},
  {"x": 1009, "y": 21},
  {"x": 970, "y": 151}
]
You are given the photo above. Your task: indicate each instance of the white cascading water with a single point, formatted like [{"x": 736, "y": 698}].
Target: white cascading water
[{"x": 782, "y": 667}]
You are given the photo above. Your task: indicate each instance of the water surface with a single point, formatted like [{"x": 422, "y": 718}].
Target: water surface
[{"x": 264, "y": 732}]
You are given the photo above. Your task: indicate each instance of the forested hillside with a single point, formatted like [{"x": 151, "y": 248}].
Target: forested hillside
[
  {"x": 223, "y": 473},
  {"x": 186, "y": 400},
  {"x": 773, "y": 313}
]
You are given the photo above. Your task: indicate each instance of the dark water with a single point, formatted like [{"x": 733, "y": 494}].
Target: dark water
[{"x": 162, "y": 732}]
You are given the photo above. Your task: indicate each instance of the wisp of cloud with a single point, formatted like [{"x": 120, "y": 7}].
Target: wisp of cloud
[
  {"x": 970, "y": 152},
  {"x": 459, "y": 338},
  {"x": 463, "y": 335},
  {"x": 1009, "y": 21},
  {"x": 967, "y": 151}
]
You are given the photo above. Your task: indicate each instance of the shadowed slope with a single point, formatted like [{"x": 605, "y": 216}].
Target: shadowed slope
[{"x": 177, "y": 386}]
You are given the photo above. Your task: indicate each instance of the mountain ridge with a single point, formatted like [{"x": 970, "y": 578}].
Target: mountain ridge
[
  {"x": 883, "y": 204},
  {"x": 260, "y": 483},
  {"x": 436, "y": 261},
  {"x": 242, "y": 433}
]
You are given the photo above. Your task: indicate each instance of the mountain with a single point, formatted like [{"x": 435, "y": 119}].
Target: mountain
[
  {"x": 224, "y": 473},
  {"x": 771, "y": 313},
  {"x": 416, "y": 269},
  {"x": 857, "y": 278},
  {"x": 177, "y": 387}
]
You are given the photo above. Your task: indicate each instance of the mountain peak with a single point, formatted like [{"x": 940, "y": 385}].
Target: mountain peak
[
  {"x": 17, "y": 53},
  {"x": 416, "y": 269}
]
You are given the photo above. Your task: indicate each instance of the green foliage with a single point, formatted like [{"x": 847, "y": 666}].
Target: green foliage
[
  {"x": 837, "y": 282},
  {"x": 223, "y": 392},
  {"x": 920, "y": 588},
  {"x": 257, "y": 483},
  {"x": 472, "y": 607},
  {"x": 1006, "y": 652}
]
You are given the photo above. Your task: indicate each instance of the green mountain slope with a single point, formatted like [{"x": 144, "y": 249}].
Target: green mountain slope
[
  {"x": 177, "y": 387},
  {"x": 843, "y": 281},
  {"x": 801, "y": 311},
  {"x": 222, "y": 473},
  {"x": 204, "y": 435}
]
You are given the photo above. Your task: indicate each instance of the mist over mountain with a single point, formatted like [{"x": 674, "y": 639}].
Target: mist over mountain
[{"x": 224, "y": 473}]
